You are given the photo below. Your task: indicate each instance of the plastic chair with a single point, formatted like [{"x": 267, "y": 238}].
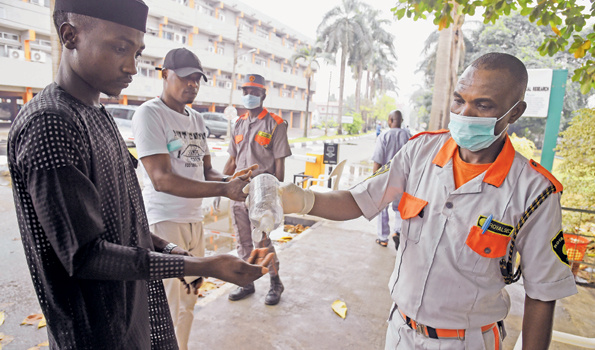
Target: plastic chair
[{"x": 321, "y": 181}]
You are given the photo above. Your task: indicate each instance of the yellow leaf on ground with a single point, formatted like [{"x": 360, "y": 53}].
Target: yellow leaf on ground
[
  {"x": 5, "y": 339},
  {"x": 340, "y": 308},
  {"x": 45, "y": 343},
  {"x": 2, "y": 317},
  {"x": 34, "y": 348},
  {"x": 286, "y": 238},
  {"x": 42, "y": 323},
  {"x": 32, "y": 319}
]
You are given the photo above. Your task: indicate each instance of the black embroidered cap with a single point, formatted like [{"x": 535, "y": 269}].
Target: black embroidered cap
[{"x": 130, "y": 13}]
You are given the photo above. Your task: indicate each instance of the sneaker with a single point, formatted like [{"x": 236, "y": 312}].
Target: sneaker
[{"x": 241, "y": 292}]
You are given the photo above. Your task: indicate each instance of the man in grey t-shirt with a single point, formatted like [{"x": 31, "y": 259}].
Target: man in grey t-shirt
[{"x": 387, "y": 145}]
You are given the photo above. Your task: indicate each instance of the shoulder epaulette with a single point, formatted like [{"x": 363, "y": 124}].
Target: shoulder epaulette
[
  {"x": 242, "y": 117},
  {"x": 278, "y": 119},
  {"x": 543, "y": 171},
  {"x": 441, "y": 131}
]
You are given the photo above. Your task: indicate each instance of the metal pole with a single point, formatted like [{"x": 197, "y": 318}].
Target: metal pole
[
  {"x": 233, "y": 78},
  {"x": 328, "y": 98}
]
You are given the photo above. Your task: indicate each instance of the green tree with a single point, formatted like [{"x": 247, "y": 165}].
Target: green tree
[
  {"x": 309, "y": 57},
  {"x": 383, "y": 106},
  {"x": 341, "y": 30},
  {"x": 566, "y": 18},
  {"x": 577, "y": 170}
]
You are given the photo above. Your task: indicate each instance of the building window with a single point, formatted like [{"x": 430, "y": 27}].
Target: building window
[
  {"x": 220, "y": 51},
  {"x": 222, "y": 17},
  {"x": 10, "y": 36},
  {"x": 285, "y": 93},
  {"x": 205, "y": 10}
]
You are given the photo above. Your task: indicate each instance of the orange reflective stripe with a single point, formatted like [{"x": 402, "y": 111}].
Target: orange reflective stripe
[
  {"x": 496, "y": 338},
  {"x": 441, "y": 131},
  {"x": 543, "y": 171}
]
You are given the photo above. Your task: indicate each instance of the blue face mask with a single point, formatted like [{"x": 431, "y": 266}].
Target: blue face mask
[
  {"x": 475, "y": 133},
  {"x": 251, "y": 101}
]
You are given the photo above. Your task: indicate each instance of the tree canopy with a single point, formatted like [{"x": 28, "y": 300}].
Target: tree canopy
[{"x": 566, "y": 18}]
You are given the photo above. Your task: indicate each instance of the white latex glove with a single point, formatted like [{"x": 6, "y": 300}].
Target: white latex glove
[{"x": 295, "y": 199}]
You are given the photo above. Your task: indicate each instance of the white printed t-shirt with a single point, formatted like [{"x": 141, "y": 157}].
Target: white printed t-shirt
[{"x": 155, "y": 125}]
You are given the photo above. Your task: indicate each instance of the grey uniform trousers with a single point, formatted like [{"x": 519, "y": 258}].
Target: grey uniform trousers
[{"x": 243, "y": 229}]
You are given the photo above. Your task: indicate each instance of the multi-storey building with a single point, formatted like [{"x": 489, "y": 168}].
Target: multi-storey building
[{"x": 211, "y": 29}]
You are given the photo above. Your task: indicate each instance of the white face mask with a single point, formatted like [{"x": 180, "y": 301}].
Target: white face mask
[{"x": 475, "y": 133}]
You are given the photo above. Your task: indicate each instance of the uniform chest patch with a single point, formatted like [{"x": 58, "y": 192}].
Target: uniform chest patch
[
  {"x": 264, "y": 134},
  {"x": 496, "y": 226},
  {"x": 559, "y": 248}
]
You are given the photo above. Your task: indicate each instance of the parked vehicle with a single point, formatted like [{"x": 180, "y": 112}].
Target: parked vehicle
[
  {"x": 216, "y": 124},
  {"x": 123, "y": 117}
]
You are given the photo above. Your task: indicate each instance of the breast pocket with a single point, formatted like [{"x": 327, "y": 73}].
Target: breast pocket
[
  {"x": 263, "y": 138},
  {"x": 484, "y": 249},
  {"x": 411, "y": 209}
]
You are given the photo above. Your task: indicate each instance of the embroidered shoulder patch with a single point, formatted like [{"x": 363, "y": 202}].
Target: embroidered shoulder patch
[
  {"x": 383, "y": 169},
  {"x": 496, "y": 226},
  {"x": 559, "y": 248}
]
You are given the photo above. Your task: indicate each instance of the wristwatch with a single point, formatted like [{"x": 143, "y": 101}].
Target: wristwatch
[
  {"x": 168, "y": 248},
  {"x": 225, "y": 178}
]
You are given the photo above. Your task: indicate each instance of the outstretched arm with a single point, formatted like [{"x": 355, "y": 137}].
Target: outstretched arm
[
  {"x": 158, "y": 166},
  {"x": 335, "y": 205}
]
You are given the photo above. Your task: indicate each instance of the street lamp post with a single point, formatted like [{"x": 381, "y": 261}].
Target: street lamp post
[{"x": 233, "y": 76}]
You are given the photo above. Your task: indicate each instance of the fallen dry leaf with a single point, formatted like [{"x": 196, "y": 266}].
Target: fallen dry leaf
[
  {"x": 2, "y": 317},
  {"x": 42, "y": 323},
  {"x": 5, "y": 339},
  {"x": 45, "y": 343},
  {"x": 32, "y": 319},
  {"x": 340, "y": 308}
]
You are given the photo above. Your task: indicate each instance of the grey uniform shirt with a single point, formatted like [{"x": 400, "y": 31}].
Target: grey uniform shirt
[
  {"x": 84, "y": 229},
  {"x": 260, "y": 141},
  {"x": 441, "y": 279}
]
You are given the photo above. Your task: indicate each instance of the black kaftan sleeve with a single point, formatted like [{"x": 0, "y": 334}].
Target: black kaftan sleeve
[{"x": 54, "y": 160}]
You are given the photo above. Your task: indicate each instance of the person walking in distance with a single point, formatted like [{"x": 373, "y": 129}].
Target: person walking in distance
[
  {"x": 387, "y": 145},
  {"x": 259, "y": 137}
]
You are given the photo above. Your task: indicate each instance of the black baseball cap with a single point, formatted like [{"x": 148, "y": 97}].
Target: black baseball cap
[{"x": 183, "y": 62}]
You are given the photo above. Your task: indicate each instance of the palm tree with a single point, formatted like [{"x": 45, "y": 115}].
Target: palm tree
[
  {"x": 376, "y": 41},
  {"x": 341, "y": 29},
  {"x": 310, "y": 57}
]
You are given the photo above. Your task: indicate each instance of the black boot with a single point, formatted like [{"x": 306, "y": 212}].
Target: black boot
[
  {"x": 274, "y": 294},
  {"x": 241, "y": 292}
]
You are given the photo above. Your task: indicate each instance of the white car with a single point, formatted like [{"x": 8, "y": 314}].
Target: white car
[{"x": 123, "y": 117}]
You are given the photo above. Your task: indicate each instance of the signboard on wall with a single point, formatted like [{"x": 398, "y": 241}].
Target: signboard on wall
[
  {"x": 346, "y": 119},
  {"x": 538, "y": 92}
]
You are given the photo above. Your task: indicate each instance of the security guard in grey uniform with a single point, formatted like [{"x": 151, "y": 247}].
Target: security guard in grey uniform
[{"x": 259, "y": 137}]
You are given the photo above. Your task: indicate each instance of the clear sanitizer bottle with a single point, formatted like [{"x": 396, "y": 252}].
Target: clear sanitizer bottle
[{"x": 265, "y": 207}]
